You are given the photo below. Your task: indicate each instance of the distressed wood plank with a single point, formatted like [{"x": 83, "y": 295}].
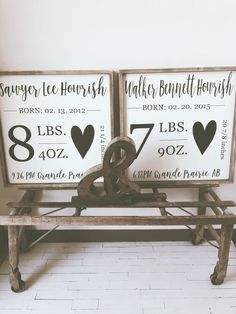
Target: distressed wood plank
[
  {"x": 116, "y": 220},
  {"x": 91, "y": 203}
]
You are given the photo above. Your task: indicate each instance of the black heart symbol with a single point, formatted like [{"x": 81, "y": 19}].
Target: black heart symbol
[
  {"x": 82, "y": 141},
  {"x": 203, "y": 138}
]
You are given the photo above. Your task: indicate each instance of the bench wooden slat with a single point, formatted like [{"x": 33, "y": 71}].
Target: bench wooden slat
[
  {"x": 116, "y": 220},
  {"x": 137, "y": 205}
]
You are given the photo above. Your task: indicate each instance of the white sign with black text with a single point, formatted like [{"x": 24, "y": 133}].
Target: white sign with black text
[
  {"x": 55, "y": 125},
  {"x": 182, "y": 123}
]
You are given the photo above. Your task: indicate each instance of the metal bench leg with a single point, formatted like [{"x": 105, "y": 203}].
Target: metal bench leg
[
  {"x": 17, "y": 285},
  {"x": 220, "y": 270}
]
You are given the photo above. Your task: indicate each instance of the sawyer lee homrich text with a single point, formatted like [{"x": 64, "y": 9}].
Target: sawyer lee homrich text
[
  {"x": 92, "y": 89},
  {"x": 176, "y": 174}
]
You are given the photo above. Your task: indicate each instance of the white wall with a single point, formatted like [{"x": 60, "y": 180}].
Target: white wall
[{"x": 106, "y": 34}]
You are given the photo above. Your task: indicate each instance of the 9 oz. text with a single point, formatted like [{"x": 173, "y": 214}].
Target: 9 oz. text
[{"x": 171, "y": 150}]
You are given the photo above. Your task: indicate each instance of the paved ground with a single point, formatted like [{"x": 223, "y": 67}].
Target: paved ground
[{"x": 125, "y": 277}]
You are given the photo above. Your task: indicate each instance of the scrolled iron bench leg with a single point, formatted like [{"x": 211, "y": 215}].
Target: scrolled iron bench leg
[
  {"x": 17, "y": 285},
  {"x": 220, "y": 270}
]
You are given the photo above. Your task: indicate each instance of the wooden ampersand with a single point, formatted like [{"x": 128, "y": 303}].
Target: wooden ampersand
[{"x": 116, "y": 187}]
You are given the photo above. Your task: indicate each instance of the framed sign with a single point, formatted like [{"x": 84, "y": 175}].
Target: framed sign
[
  {"x": 182, "y": 122},
  {"x": 54, "y": 125}
]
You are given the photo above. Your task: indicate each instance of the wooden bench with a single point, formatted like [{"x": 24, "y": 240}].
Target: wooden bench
[{"x": 118, "y": 192}]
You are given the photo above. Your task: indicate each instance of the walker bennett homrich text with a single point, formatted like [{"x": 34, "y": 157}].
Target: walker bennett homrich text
[{"x": 193, "y": 85}]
